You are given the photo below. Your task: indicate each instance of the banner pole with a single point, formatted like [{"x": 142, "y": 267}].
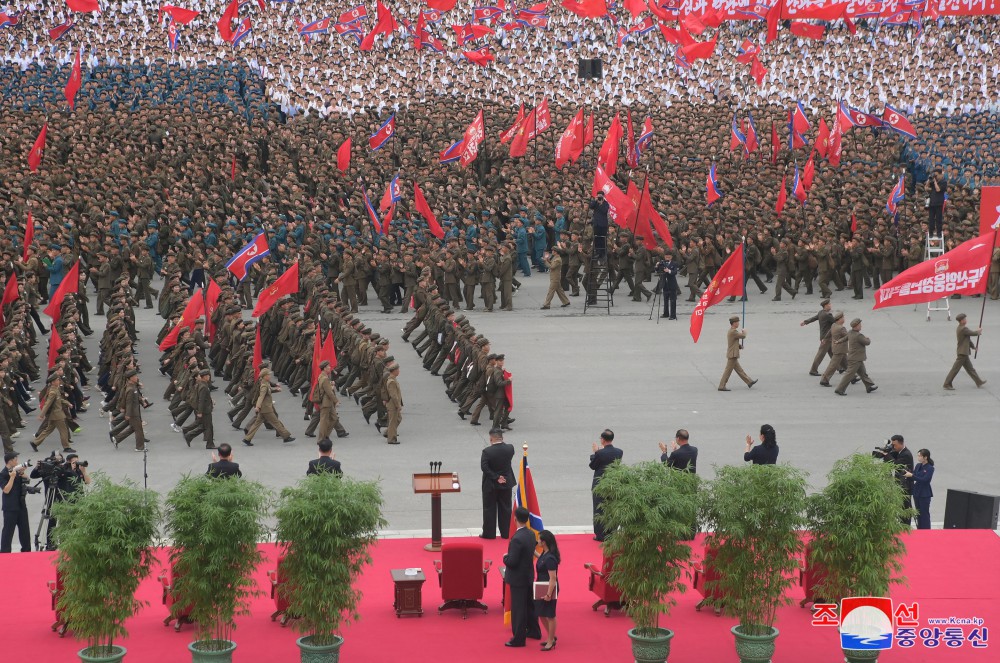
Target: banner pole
[{"x": 982, "y": 310}]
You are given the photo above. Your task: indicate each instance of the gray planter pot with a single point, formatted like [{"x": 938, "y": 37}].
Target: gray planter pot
[
  {"x": 311, "y": 653},
  {"x": 861, "y": 655},
  {"x": 200, "y": 655},
  {"x": 651, "y": 650},
  {"x": 114, "y": 656},
  {"x": 754, "y": 648}
]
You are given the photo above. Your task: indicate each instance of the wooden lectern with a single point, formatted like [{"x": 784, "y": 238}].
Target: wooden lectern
[{"x": 435, "y": 484}]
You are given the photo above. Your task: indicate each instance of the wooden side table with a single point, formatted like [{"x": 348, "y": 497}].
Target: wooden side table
[{"x": 407, "y": 599}]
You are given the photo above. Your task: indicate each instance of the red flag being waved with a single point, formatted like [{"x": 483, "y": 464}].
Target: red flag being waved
[
  {"x": 809, "y": 173},
  {"x": 570, "y": 146},
  {"x": 38, "y": 149},
  {"x": 226, "y": 22},
  {"x": 317, "y": 357},
  {"x": 344, "y": 156},
  {"x": 29, "y": 237},
  {"x": 961, "y": 271},
  {"x": 286, "y": 284},
  {"x": 701, "y": 50},
  {"x": 55, "y": 344},
  {"x": 588, "y": 132},
  {"x": 424, "y": 210},
  {"x": 473, "y": 136},
  {"x": 179, "y": 14},
  {"x": 621, "y": 208},
  {"x": 193, "y": 310},
  {"x": 83, "y": 6},
  {"x": 836, "y": 144},
  {"x": 586, "y": 8},
  {"x": 212, "y": 294},
  {"x": 728, "y": 282},
  {"x": 808, "y": 30},
  {"x": 483, "y": 57},
  {"x": 10, "y": 293},
  {"x": 823, "y": 139},
  {"x": 507, "y": 136},
  {"x": 647, "y": 215},
  {"x": 773, "y": 17},
  {"x": 757, "y": 71},
  {"x": 537, "y": 121},
  {"x": 73, "y": 84},
  {"x": 69, "y": 284},
  {"x": 442, "y": 5},
  {"x": 607, "y": 158},
  {"x": 385, "y": 24}
]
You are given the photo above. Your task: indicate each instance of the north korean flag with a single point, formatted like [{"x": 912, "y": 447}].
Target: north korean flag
[
  {"x": 857, "y": 118},
  {"x": 645, "y": 139},
  {"x": 320, "y": 27},
  {"x": 752, "y": 143},
  {"x": 713, "y": 192},
  {"x": 431, "y": 15},
  {"x": 428, "y": 40},
  {"x": 248, "y": 255},
  {"x": 372, "y": 214},
  {"x": 895, "y": 120},
  {"x": 57, "y": 32},
  {"x": 384, "y": 133},
  {"x": 754, "y": 9},
  {"x": 391, "y": 195},
  {"x": 895, "y": 197},
  {"x": 736, "y": 135},
  {"x": 800, "y": 122},
  {"x": 172, "y": 35},
  {"x": 352, "y": 15},
  {"x": 642, "y": 27},
  {"x": 242, "y": 31},
  {"x": 747, "y": 52},
  {"x": 486, "y": 14},
  {"x": 540, "y": 21},
  {"x": 869, "y": 10},
  {"x": 9, "y": 20},
  {"x": 798, "y": 188}
]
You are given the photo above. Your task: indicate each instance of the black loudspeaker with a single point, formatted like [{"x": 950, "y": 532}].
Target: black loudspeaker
[
  {"x": 596, "y": 68},
  {"x": 967, "y": 510},
  {"x": 583, "y": 69}
]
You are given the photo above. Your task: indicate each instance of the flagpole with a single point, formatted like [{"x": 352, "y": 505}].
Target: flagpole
[
  {"x": 982, "y": 310},
  {"x": 744, "y": 315}
]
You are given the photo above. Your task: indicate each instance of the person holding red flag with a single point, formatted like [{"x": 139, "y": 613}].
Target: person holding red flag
[
  {"x": 734, "y": 342},
  {"x": 325, "y": 398}
]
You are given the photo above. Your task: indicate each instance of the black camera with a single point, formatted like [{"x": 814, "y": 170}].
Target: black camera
[
  {"x": 50, "y": 468},
  {"x": 883, "y": 450}
]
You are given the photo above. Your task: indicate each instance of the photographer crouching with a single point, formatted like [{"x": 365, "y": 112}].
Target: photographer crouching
[
  {"x": 61, "y": 477},
  {"x": 895, "y": 452},
  {"x": 15, "y": 508}
]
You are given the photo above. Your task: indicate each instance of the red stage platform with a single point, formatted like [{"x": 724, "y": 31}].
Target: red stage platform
[{"x": 950, "y": 573}]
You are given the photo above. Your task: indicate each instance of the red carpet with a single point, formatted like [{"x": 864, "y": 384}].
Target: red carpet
[{"x": 951, "y": 573}]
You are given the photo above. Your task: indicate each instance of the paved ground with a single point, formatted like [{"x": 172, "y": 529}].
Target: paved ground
[{"x": 574, "y": 375}]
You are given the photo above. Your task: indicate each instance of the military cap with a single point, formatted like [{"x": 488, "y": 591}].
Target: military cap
[
  {"x": 824, "y": 302},
  {"x": 323, "y": 364},
  {"x": 204, "y": 373},
  {"x": 856, "y": 322},
  {"x": 838, "y": 315},
  {"x": 131, "y": 374}
]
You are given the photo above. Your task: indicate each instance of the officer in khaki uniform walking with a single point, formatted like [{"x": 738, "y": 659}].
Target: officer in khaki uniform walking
[
  {"x": 733, "y": 338},
  {"x": 837, "y": 338},
  {"x": 203, "y": 406},
  {"x": 857, "y": 354},
  {"x": 326, "y": 397},
  {"x": 554, "y": 264},
  {"x": 264, "y": 407},
  {"x": 964, "y": 351},
  {"x": 53, "y": 415},
  {"x": 825, "y": 319},
  {"x": 394, "y": 405},
  {"x": 132, "y": 411}
]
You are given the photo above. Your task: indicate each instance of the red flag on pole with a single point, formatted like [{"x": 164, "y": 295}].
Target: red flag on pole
[
  {"x": 808, "y": 30},
  {"x": 258, "y": 354},
  {"x": 508, "y": 135},
  {"x": 808, "y": 173},
  {"x": 344, "y": 156},
  {"x": 10, "y": 293},
  {"x": 73, "y": 84},
  {"x": 473, "y": 136},
  {"x": 193, "y": 310},
  {"x": 757, "y": 71},
  {"x": 647, "y": 211},
  {"x": 212, "y": 294},
  {"x": 83, "y": 6},
  {"x": 836, "y": 143},
  {"x": 588, "y": 132},
  {"x": 35, "y": 155},
  {"x": 621, "y": 209},
  {"x": 773, "y": 16},
  {"x": 961, "y": 271},
  {"x": 316, "y": 359},
  {"x": 854, "y": 223},
  {"x": 179, "y": 14},
  {"x": 823, "y": 139},
  {"x": 728, "y": 282},
  {"x": 29, "y": 237},
  {"x": 286, "y": 284},
  {"x": 69, "y": 284},
  {"x": 422, "y": 208},
  {"x": 226, "y": 22},
  {"x": 329, "y": 351},
  {"x": 55, "y": 343},
  {"x": 608, "y": 156},
  {"x": 570, "y": 146}
]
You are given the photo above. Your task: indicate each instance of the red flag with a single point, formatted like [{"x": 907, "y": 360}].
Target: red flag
[
  {"x": 820, "y": 13},
  {"x": 809, "y": 173},
  {"x": 728, "y": 282},
  {"x": 647, "y": 210},
  {"x": 482, "y": 57},
  {"x": 422, "y": 208},
  {"x": 258, "y": 354},
  {"x": 570, "y": 146},
  {"x": 507, "y": 136},
  {"x": 836, "y": 144},
  {"x": 537, "y": 121},
  {"x": 712, "y": 17},
  {"x": 773, "y": 16},
  {"x": 83, "y": 6},
  {"x": 587, "y": 8},
  {"x": 775, "y": 143},
  {"x": 179, "y": 14},
  {"x": 193, "y": 310},
  {"x": 212, "y": 294},
  {"x": 73, "y": 84},
  {"x": 588, "y": 132},
  {"x": 329, "y": 351},
  {"x": 701, "y": 50},
  {"x": 757, "y": 71},
  {"x": 509, "y": 391},
  {"x": 418, "y": 35},
  {"x": 316, "y": 359},
  {"x": 808, "y": 30},
  {"x": 442, "y": 5},
  {"x": 630, "y": 153},
  {"x": 10, "y": 293},
  {"x": 608, "y": 156},
  {"x": 693, "y": 24},
  {"x": 854, "y": 223},
  {"x": 387, "y": 219},
  {"x": 344, "y": 156},
  {"x": 823, "y": 139},
  {"x": 660, "y": 12},
  {"x": 798, "y": 190},
  {"x": 640, "y": 225},
  {"x": 70, "y": 283},
  {"x": 851, "y": 27},
  {"x": 35, "y": 155},
  {"x": 473, "y": 136},
  {"x": 385, "y": 24},
  {"x": 989, "y": 210},
  {"x": 29, "y": 237},
  {"x": 286, "y": 284},
  {"x": 55, "y": 344},
  {"x": 782, "y": 197},
  {"x": 226, "y": 22},
  {"x": 635, "y": 7},
  {"x": 621, "y": 209},
  {"x": 232, "y": 170},
  {"x": 961, "y": 271},
  {"x": 670, "y": 35}
]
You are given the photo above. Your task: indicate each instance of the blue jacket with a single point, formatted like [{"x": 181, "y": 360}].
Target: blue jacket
[
  {"x": 521, "y": 240},
  {"x": 922, "y": 475},
  {"x": 56, "y": 271}
]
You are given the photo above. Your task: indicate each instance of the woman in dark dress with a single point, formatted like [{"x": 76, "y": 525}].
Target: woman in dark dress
[
  {"x": 922, "y": 474},
  {"x": 767, "y": 452},
  {"x": 545, "y": 571}
]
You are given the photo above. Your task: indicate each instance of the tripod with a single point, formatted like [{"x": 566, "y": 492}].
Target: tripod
[
  {"x": 656, "y": 303},
  {"x": 52, "y": 493}
]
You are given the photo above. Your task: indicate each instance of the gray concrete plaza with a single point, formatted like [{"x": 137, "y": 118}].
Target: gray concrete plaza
[{"x": 575, "y": 375}]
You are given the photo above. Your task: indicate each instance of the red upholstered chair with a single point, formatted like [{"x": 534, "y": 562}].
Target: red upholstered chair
[
  {"x": 607, "y": 594},
  {"x": 178, "y": 615},
  {"x": 703, "y": 574},
  {"x": 810, "y": 575},
  {"x": 56, "y": 589},
  {"x": 462, "y": 575},
  {"x": 277, "y": 578}
]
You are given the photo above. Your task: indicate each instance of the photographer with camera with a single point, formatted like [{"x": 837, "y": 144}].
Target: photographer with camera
[
  {"x": 937, "y": 191},
  {"x": 667, "y": 270},
  {"x": 61, "y": 477},
  {"x": 895, "y": 452},
  {"x": 15, "y": 508}
]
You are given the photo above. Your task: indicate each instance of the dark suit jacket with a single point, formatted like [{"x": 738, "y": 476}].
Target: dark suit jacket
[
  {"x": 224, "y": 468},
  {"x": 905, "y": 458},
  {"x": 922, "y": 475},
  {"x": 520, "y": 559},
  {"x": 761, "y": 455},
  {"x": 324, "y": 464},
  {"x": 603, "y": 457},
  {"x": 495, "y": 463},
  {"x": 685, "y": 457}
]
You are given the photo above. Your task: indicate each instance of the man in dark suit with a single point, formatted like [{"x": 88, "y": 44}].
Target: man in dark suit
[
  {"x": 599, "y": 460},
  {"x": 223, "y": 465},
  {"x": 498, "y": 482},
  {"x": 903, "y": 459},
  {"x": 520, "y": 576},
  {"x": 599, "y": 221},
  {"x": 680, "y": 455},
  {"x": 325, "y": 462}
]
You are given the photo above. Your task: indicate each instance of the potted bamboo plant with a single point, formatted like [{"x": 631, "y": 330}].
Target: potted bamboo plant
[
  {"x": 326, "y": 525},
  {"x": 649, "y": 510},
  {"x": 857, "y": 529},
  {"x": 105, "y": 535},
  {"x": 755, "y": 513},
  {"x": 215, "y": 525}
]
